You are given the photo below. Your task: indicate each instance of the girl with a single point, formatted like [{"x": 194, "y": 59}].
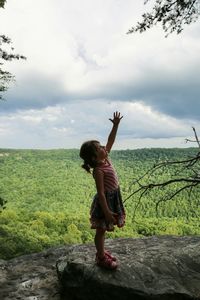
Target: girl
[{"x": 107, "y": 209}]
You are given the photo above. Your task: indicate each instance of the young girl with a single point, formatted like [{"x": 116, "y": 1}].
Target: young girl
[{"x": 107, "y": 209}]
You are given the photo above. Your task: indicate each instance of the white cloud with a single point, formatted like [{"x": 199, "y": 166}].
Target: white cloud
[
  {"x": 82, "y": 66},
  {"x": 87, "y": 53},
  {"x": 69, "y": 125}
]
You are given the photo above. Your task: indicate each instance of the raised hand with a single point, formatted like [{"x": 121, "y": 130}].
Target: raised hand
[
  {"x": 116, "y": 118},
  {"x": 111, "y": 138}
]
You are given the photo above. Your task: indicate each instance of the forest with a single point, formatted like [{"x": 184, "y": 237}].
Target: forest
[{"x": 48, "y": 197}]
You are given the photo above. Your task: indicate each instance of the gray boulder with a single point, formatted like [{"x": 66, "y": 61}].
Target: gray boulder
[
  {"x": 31, "y": 277},
  {"x": 164, "y": 267}
]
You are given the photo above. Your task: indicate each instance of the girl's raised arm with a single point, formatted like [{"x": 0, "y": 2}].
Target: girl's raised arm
[{"x": 111, "y": 138}]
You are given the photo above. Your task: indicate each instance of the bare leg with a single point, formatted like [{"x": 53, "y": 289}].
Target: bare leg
[{"x": 99, "y": 242}]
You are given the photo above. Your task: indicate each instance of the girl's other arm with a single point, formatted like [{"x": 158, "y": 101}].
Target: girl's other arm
[{"x": 111, "y": 138}]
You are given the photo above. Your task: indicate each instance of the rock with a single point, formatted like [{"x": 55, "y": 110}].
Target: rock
[
  {"x": 164, "y": 267},
  {"x": 31, "y": 277}
]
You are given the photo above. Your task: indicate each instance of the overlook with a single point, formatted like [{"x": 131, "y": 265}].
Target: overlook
[{"x": 156, "y": 268}]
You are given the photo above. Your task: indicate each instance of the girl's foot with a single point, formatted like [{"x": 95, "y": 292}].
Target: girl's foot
[
  {"x": 106, "y": 262},
  {"x": 107, "y": 253},
  {"x": 110, "y": 255}
]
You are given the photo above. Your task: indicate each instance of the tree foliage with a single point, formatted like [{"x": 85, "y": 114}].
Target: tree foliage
[
  {"x": 2, "y": 204},
  {"x": 173, "y": 15},
  {"x": 49, "y": 198},
  {"x": 2, "y": 3},
  {"x": 5, "y": 76}
]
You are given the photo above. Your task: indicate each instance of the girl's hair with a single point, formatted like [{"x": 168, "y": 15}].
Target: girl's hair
[{"x": 88, "y": 153}]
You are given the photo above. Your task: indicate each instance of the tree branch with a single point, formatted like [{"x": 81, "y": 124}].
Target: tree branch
[
  {"x": 185, "y": 173},
  {"x": 173, "y": 15}
]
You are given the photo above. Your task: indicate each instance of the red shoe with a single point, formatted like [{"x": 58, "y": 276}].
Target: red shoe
[
  {"x": 106, "y": 262},
  {"x": 110, "y": 255}
]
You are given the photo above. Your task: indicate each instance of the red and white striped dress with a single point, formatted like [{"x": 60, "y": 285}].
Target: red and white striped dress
[
  {"x": 113, "y": 198},
  {"x": 111, "y": 182}
]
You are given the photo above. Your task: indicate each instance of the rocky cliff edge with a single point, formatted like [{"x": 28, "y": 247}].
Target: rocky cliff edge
[{"x": 164, "y": 267}]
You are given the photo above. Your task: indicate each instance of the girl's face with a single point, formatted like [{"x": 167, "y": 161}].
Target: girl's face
[{"x": 101, "y": 151}]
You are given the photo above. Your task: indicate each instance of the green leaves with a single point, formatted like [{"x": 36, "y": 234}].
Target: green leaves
[
  {"x": 6, "y": 77},
  {"x": 2, "y": 3},
  {"x": 173, "y": 15},
  {"x": 49, "y": 198}
]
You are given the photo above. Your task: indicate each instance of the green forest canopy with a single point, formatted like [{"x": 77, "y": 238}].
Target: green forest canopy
[{"x": 49, "y": 196}]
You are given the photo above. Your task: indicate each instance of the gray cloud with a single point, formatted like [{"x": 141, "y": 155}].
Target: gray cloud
[
  {"x": 177, "y": 97},
  {"x": 79, "y": 72},
  {"x": 70, "y": 124},
  {"x": 99, "y": 61},
  {"x": 34, "y": 92},
  {"x": 174, "y": 95}
]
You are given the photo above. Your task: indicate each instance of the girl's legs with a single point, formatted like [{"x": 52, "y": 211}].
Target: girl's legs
[
  {"x": 103, "y": 258},
  {"x": 99, "y": 242}
]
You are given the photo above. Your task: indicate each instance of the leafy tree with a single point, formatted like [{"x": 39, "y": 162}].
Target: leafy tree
[
  {"x": 2, "y": 3},
  {"x": 5, "y": 76},
  {"x": 172, "y": 14}
]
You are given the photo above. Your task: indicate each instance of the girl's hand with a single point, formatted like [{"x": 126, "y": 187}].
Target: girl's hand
[
  {"x": 111, "y": 217},
  {"x": 116, "y": 118}
]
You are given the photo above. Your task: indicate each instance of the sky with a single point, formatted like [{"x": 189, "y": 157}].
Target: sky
[{"x": 82, "y": 66}]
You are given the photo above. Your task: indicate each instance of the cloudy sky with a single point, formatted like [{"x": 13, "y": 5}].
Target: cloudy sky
[{"x": 82, "y": 66}]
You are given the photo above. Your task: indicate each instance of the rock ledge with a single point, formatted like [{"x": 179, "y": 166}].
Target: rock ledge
[
  {"x": 164, "y": 267},
  {"x": 31, "y": 277}
]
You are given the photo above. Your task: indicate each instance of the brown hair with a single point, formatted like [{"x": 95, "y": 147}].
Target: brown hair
[{"x": 88, "y": 154}]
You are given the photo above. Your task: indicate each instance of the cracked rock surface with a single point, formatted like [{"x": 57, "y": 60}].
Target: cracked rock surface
[
  {"x": 31, "y": 277},
  {"x": 164, "y": 267}
]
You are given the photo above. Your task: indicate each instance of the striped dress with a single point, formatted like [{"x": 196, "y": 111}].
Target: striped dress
[
  {"x": 113, "y": 198},
  {"x": 111, "y": 182}
]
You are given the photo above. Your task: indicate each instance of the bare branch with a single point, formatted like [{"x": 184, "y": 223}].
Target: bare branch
[
  {"x": 186, "y": 174},
  {"x": 176, "y": 193},
  {"x": 196, "y": 137}
]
